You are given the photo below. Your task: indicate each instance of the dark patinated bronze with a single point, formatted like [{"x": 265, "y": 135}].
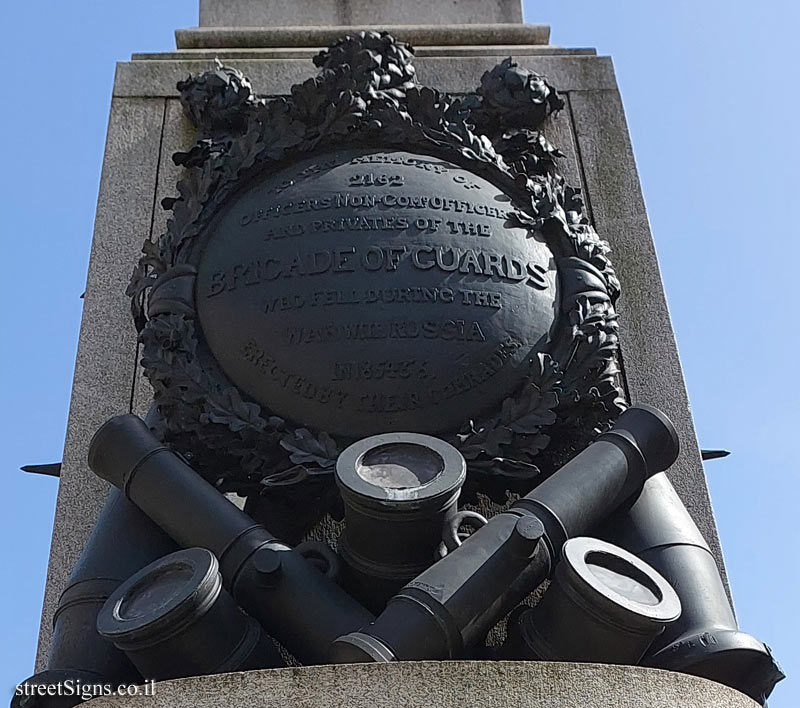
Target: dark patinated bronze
[
  {"x": 364, "y": 291},
  {"x": 174, "y": 619},
  {"x": 294, "y": 602},
  {"x": 447, "y": 610},
  {"x": 706, "y": 640},
  {"x": 366, "y": 256},
  {"x": 400, "y": 492},
  {"x": 604, "y": 606},
  {"x": 78, "y": 653}
]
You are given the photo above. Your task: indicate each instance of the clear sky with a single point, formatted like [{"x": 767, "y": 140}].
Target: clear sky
[{"x": 710, "y": 90}]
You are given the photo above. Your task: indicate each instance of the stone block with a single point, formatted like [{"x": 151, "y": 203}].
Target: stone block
[
  {"x": 272, "y": 77},
  {"x": 307, "y": 53},
  {"x": 104, "y": 369},
  {"x": 447, "y": 684},
  {"x": 650, "y": 359},
  {"x": 419, "y": 35},
  {"x": 270, "y": 13},
  {"x": 178, "y": 135}
]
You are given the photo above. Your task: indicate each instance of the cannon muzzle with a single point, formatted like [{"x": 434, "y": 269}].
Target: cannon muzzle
[
  {"x": 450, "y": 607},
  {"x": 294, "y": 602}
]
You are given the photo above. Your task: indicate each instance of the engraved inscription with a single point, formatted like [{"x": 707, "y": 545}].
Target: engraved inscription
[
  {"x": 289, "y": 380},
  {"x": 399, "y": 296},
  {"x": 468, "y": 227},
  {"x": 447, "y": 330},
  {"x": 360, "y": 292},
  {"x": 356, "y": 370},
  {"x": 370, "y": 179},
  {"x": 481, "y": 372},
  {"x": 481, "y": 298},
  {"x": 349, "y": 259},
  {"x": 326, "y": 298},
  {"x": 421, "y": 163},
  {"x": 372, "y": 200}
]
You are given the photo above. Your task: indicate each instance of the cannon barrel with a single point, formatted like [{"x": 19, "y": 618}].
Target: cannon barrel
[
  {"x": 705, "y": 641},
  {"x": 451, "y": 606},
  {"x": 173, "y": 619},
  {"x": 400, "y": 492},
  {"x": 604, "y": 605},
  {"x": 78, "y": 653},
  {"x": 294, "y": 602}
]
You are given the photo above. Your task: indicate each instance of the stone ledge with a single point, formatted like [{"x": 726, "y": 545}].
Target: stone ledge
[
  {"x": 422, "y": 35},
  {"x": 446, "y": 684},
  {"x": 515, "y": 50},
  {"x": 453, "y": 74}
]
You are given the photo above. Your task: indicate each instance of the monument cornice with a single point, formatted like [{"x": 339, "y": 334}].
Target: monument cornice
[{"x": 322, "y": 36}]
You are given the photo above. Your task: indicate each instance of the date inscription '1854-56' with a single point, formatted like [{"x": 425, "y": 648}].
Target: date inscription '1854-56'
[{"x": 362, "y": 292}]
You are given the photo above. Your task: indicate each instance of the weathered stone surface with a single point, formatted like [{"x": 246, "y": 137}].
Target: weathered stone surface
[
  {"x": 306, "y": 53},
  {"x": 454, "y": 74},
  {"x": 417, "y": 34},
  {"x": 568, "y": 73},
  {"x": 558, "y": 130},
  {"x": 449, "y": 684},
  {"x": 650, "y": 356},
  {"x": 178, "y": 135},
  {"x": 104, "y": 369},
  {"x": 270, "y": 13}
]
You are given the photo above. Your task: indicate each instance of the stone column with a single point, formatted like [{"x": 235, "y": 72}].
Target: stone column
[
  {"x": 272, "y": 43},
  {"x": 277, "y": 13}
]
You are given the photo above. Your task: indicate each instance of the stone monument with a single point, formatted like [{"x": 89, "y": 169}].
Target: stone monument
[{"x": 403, "y": 309}]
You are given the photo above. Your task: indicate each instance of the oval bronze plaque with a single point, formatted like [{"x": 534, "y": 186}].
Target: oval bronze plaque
[{"x": 362, "y": 292}]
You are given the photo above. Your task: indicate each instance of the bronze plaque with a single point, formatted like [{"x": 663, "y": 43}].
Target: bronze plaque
[
  {"x": 363, "y": 254},
  {"x": 366, "y": 291}
]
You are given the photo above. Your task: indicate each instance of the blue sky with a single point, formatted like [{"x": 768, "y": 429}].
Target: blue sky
[{"x": 710, "y": 90}]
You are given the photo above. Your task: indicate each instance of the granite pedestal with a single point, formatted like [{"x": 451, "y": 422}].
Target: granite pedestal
[{"x": 449, "y": 684}]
